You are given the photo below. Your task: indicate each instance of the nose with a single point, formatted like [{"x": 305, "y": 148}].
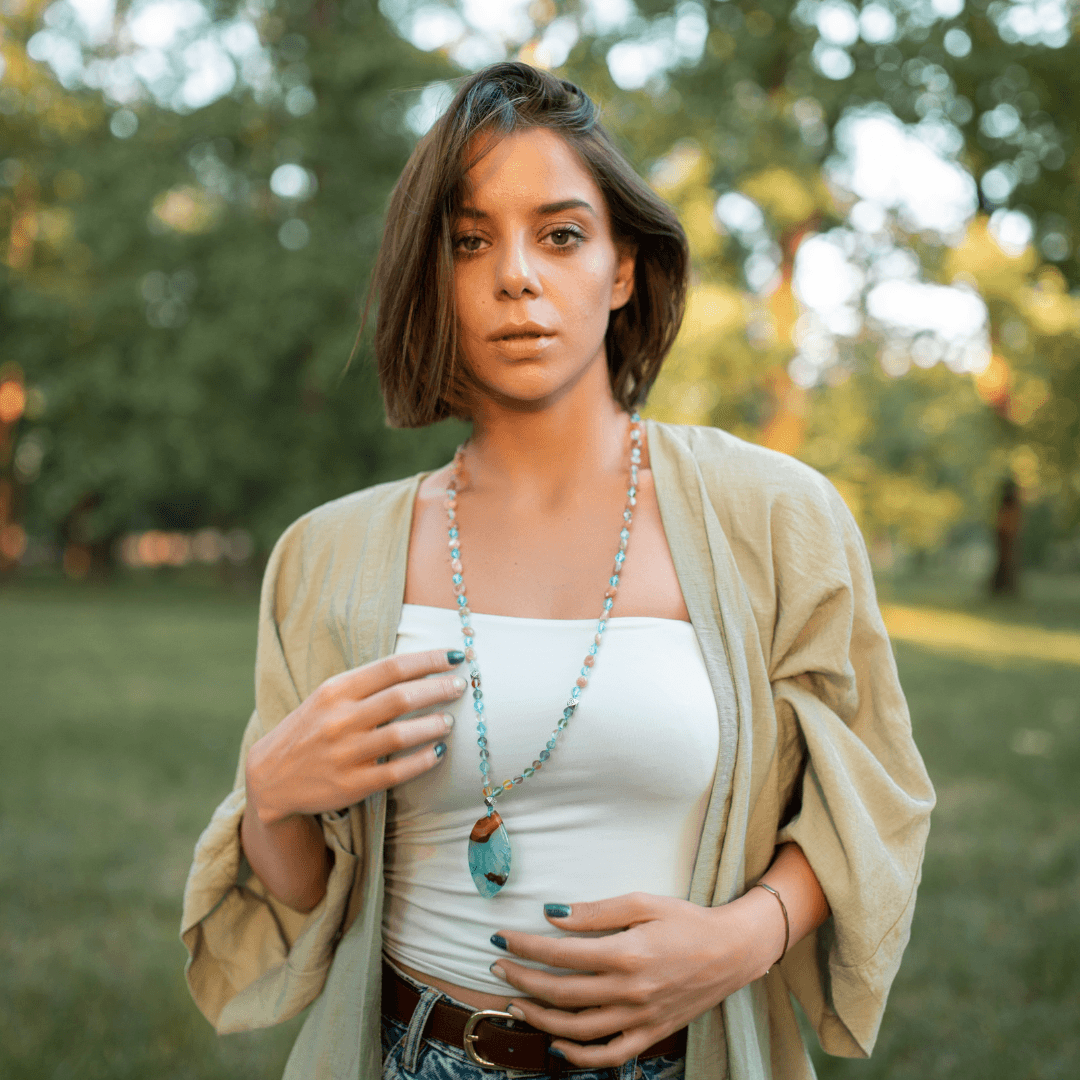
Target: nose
[{"x": 515, "y": 274}]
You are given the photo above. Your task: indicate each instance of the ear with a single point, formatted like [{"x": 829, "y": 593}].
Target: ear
[{"x": 623, "y": 287}]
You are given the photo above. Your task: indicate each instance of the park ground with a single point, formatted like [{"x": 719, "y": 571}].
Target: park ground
[{"x": 120, "y": 714}]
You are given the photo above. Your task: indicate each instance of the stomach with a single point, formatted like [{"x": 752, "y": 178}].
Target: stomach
[{"x": 475, "y": 999}]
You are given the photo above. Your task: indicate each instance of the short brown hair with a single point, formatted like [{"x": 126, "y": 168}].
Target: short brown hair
[{"x": 416, "y": 345}]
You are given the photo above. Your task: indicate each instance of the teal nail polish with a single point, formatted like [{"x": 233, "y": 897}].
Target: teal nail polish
[
  {"x": 455, "y": 656},
  {"x": 557, "y": 911},
  {"x": 440, "y": 749},
  {"x": 498, "y": 941},
  {"x": 555, "y": 1052}
]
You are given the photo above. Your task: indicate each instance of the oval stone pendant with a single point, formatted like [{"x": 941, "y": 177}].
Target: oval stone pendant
[{"x": 489, "y": 854}]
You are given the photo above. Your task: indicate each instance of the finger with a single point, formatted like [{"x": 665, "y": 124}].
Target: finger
[
  {"x": 616, "y": 913},
  {"x": 610, "y": 1054},
  {"x": 599, "y": 1023},
  {"x": 562, "y": 991},
  {"x": 404, "y": 734},
  {"x": 401, "y": 770},
  {"x": 407, "y": 697},
  {"x": 364, "y": 681},
  {"x": 571, "y": 953}
]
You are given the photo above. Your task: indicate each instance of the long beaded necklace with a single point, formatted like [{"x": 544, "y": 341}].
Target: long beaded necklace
[{"x": 489, "y": 843}]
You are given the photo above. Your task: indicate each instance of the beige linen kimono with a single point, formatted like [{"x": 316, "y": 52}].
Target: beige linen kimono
[{"x": 815, "y": 747}]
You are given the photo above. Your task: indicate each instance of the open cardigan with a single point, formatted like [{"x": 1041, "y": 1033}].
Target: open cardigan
[{"x": 815, "y": 747}]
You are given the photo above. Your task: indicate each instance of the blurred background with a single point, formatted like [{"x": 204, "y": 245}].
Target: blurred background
[{"x": 883, "y": 203}]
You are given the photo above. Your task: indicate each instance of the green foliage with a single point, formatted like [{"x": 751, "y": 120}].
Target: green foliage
[
  {"x": 193, "y": 368},
  {"x": 191, "y": 364}
]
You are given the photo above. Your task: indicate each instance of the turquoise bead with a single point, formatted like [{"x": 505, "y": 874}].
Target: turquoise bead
[
  {"x": 594, "y": 649},
  {"x": 469, "y": 641},
  {"x": 461, "y": 601},
  {"x": 576, "y": 692},
  {"x": 478, "y": 694},
  {"x": 544, "y": 755},
  {"x": 453, "y": 532},
  {"x": 620, "y": 556},
  {"x": 631, "y": 491},
  {"x": 567, "y": 713},
  {"x": 613, "y": 580},
  {"x": 625, "y": 534},
  {"x": 457, "y": 579},
  {"x": 608, "y": 604},
  {"x": 601, "y": 626},
  {"x": 478, "y": 706},
  {"x": 585, "y": 672},
  {"x": 482, "y": 742},
  {"x": 455, "y": 553},
  {"x": 563, "y": 721},
  {"x": 626, "y": 516},
  {"x": 481, "y": 727}
]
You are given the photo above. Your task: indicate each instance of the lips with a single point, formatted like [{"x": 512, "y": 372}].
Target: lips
[
  {"x": 515, "y": 331},
  {"x": 522, "y": 341}
]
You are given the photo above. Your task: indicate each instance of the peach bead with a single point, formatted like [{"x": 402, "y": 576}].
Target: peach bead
[
  {"x": 470, "y": 653},
  {"x": 610, "y": 591},
  {"x": 590, "y": 660},
  {"x": 582, "y": 681},
  {"x": 455, "y": 565}
]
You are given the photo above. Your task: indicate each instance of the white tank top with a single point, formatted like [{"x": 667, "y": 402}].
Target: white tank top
[{"x": 617, "y": 808}]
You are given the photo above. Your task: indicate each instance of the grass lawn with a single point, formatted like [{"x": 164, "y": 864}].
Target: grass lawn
[{"x": 120, "y": 714}]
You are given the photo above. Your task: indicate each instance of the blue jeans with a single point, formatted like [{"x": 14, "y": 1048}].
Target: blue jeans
[{"x": 408, "y": 1056}]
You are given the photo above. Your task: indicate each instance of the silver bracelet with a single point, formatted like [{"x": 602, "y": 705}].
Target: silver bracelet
[{"x": 787, "y": 924}]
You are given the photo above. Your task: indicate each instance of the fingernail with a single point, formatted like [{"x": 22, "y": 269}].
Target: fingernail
[
  {"x": 557, "y": 911},
  {"x": 497, "y": 971},
  {"x": 448, "y": 719},
  {"x": 554, "y": 1051},
  {"x": 455, "y": 656},
  {"x": 440, "y": 749},
  {"x": 515, "y": 1012},
  {"x": 459, "y": 683},
  {"x": 498, "y": 941}
]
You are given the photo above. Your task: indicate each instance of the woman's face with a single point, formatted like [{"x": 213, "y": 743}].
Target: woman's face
[{"x": 537, "y": 272}]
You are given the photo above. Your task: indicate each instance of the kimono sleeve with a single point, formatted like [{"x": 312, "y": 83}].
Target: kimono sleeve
[
  {"x": 863, "y": 816},
  {"x": 252, "y": 961}
]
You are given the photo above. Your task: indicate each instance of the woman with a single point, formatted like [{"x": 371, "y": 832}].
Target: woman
[{"x": 736, "y": 720}]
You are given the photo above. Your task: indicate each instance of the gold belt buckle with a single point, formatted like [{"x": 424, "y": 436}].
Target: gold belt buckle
[{"x": 470, "y": 1037}]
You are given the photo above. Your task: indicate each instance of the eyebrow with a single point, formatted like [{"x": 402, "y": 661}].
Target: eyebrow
[{"x": 543, "y": 211}]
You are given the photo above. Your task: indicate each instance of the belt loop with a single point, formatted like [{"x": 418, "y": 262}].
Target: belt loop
[
  {"x": 414, "y": 1037},
  {"x": 628, "y": 1070}
]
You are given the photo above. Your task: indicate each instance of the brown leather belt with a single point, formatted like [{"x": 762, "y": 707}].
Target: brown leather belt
[{"x": 489, "y": 1037}]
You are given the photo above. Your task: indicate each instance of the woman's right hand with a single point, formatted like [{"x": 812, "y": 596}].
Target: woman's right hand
[{"x": 325, "y": 755}]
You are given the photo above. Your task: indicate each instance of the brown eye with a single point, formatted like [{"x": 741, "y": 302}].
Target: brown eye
[
  {"x": 469, "y": 244},
  {"x": 563, "y": 237}
]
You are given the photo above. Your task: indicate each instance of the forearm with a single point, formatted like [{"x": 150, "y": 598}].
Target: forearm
[
  {"x": 290, "y": 857},
  {"x": 792, "y": 877}
]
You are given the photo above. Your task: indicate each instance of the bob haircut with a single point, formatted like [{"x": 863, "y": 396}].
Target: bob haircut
[{"x": 416, "y": 341}]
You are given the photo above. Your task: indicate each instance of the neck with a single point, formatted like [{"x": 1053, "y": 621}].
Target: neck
[{"x": 550, "y": 448}]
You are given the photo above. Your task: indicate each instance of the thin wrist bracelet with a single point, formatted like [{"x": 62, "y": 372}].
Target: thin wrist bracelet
[{"x": 787, "y": 923}]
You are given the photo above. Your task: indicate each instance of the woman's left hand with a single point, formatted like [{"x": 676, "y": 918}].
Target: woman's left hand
[{"x": 672, "y": 961}]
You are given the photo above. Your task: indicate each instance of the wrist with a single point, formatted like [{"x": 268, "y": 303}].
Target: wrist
[
  {"x": 255, "y": 788},
  {"x": 766, "y": 931}
]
